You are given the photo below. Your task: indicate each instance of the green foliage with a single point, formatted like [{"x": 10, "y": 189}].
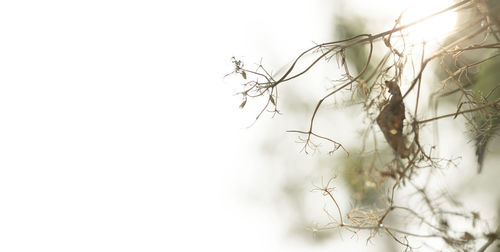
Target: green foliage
[{"x": 487, "y": 121}]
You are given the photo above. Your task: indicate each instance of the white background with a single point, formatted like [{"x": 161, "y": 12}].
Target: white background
[{"x": 118, "y": 131}]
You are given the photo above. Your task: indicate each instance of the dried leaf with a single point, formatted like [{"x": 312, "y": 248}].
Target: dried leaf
[{"x": 390, "y": 120}]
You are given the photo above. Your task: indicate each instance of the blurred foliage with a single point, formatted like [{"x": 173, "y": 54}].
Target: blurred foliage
[
  {"x": 348, "y": 26},
  {"x": 487, "y": 122},
  {"x": 479, "y": 75},
  {"x": 366, "y": 186}
]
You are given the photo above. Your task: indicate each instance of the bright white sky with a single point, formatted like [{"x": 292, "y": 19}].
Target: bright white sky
[{"x": 118, "y": 131}]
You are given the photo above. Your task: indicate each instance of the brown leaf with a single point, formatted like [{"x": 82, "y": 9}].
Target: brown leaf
[{"x": 390, "y": 120}]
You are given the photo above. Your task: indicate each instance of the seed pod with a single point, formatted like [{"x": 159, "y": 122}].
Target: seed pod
[
  {"x": 242, "y": 105},
  {"x": 272, "y": 100}
]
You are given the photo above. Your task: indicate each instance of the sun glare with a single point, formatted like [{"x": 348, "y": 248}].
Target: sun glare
[{"x": 431, "y": 30}]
